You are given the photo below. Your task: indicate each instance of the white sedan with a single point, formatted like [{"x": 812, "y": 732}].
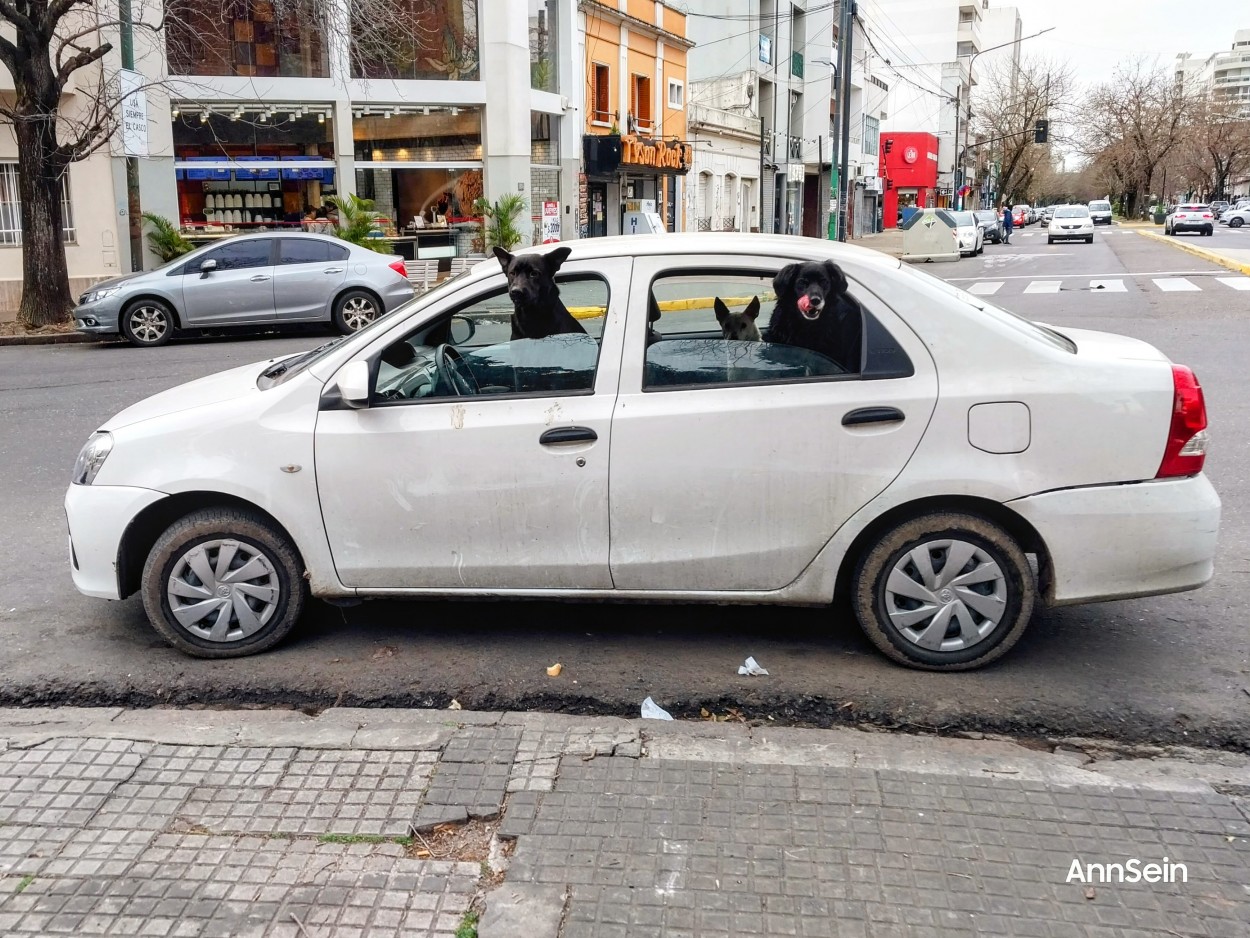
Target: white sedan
[
  {"x": 1068, "y": 222},
  {"x": 970, "y": 234},
  {"x": 1235, "y": 218},
  {"x": 948, "y": 472}
]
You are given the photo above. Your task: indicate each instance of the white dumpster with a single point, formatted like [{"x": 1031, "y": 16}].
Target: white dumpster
[{"x": 929, "y": 235}]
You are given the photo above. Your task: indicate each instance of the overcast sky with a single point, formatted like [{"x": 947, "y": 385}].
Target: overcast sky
[{"x": 1095, "y": 34}]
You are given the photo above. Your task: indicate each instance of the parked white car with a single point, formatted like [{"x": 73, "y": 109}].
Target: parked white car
[
  {"x": 1070, "y": 222},
  {"x": 965, "y": 468},
  {"x": 1235, "y": 218},
  {"x": 970, "y": 234}
]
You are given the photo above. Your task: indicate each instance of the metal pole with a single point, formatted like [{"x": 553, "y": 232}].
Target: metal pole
[
  {"x": 955, "y": 147},
  {"x": 134, "y": 209},
  {"x": 845, "y": 37},
  {"x": 820, "y": 172},
  {"x": 773, "y": 134}
]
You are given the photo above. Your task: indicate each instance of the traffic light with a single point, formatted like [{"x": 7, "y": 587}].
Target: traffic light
[
  {"x": 1040, "y": 130},
  {"x": 889, "y": 144}
]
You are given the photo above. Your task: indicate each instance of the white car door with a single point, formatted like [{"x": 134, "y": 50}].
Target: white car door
[
  {"x": 733, "y": 463},
  {"x": 501, "y": 486}
]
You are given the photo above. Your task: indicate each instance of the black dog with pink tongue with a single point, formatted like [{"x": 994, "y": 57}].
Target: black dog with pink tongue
[{"x": 814, "y": 312}]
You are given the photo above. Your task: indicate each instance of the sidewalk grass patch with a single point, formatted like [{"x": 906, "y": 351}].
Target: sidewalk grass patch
[
  {"x": 363, "y": 839},
  {"x": 468, "y": 925}
]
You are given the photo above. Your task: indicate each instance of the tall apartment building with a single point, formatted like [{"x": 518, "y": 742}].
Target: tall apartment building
[{"x": 1226, "y": 74}]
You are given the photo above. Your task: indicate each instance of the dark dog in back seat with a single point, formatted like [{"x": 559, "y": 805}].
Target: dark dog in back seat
[
  {"x": 814, "y": 312},
  {"x": 537, "y": 310}
]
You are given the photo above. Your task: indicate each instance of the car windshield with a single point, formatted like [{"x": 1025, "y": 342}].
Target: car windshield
[
  {"x": 1100, "y": 206},
  {"x": 289, "y": 367},
  {"x": 1072, "y": 211}
]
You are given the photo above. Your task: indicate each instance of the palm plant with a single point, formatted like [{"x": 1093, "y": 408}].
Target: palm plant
[
  {"x": 358, "y": 221},
  {"x": 165, "y": 240},
  {"x": 500, "y": 226}
]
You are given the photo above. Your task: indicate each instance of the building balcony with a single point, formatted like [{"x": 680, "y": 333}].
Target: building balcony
[
  {"x": 720, "y": 120},
  {"x": 969, "y": 33}
]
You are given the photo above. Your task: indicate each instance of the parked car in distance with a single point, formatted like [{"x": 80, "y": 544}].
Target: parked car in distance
[
  {"x": 951, "y": 471},
  {"x": 1235, "y": 217},
  {"x": 1190, "y": 216},
  {"x": 969, "y": 233},
  {"x": 248, "y": 280},
  {"x": 1020, "y": 216},
  {"x": 1218, "y": 208},
  {"x": 1047, "y": 212},
  {"x": 991, "y": 225},
  {"x": 1100, "y": 211},
  {"x": 1070, "y": 222}
]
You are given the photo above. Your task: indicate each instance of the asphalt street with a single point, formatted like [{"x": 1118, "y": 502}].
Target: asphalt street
[{"x": 1172, "y": 668}]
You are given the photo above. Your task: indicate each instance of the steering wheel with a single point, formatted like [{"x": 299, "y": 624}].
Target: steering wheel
[{"x": 448, "y": 361}]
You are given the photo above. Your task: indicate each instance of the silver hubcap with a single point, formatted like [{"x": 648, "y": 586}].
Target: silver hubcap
[
  {"x": 223, "y": 590},
  {"x": 358, "y": 312},
  {"x": 945, "y": 595},
  {"x": 148, "y": 323}
]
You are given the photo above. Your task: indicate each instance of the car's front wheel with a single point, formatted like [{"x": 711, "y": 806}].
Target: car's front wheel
[
  {"x": 147, "y": 323},
  {"x": 944, "y": 592},
  {"x": 223, "y": 583},
  {"x": 1050, "y": 240},
  {"x": 354, "y": 310},
  {"x": 1235, "y": 222}
]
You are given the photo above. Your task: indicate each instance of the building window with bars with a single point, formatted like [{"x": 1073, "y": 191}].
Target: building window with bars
[{"x": 11, "y": 208}]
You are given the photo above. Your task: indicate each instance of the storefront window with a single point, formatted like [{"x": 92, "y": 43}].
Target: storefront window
[
  {"x": 264, "y": 38},
  {"x": 545, "y": 178},
  {"x": 544, "y": 44},
  {"x": 422, "y": 170},
  {"x": 241, "y": 167},
  {"x": 417, "y": 39}
]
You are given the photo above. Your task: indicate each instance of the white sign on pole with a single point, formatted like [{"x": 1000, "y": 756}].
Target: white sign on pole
[
  {"x": 134, "y": 119},
  {"x": 551, "y": 222}
]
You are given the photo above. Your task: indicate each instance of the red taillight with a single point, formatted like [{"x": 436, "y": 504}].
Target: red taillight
[
  {"x": 397, "y": 265},
  {"x": 1207, "y": 215},
  {"x": 1187, "y": 438}
]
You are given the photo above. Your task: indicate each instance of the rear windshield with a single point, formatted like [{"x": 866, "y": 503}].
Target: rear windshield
[
  {"x": 1191, "y": 208},
  {"x": 1100, "y": 206},
  {"x": 1072, "y": 211}
]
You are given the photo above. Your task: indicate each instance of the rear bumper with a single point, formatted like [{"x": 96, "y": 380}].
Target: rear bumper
[
  {"x": 98, "y": 517},
  {"x": 1121, "y": 541}
]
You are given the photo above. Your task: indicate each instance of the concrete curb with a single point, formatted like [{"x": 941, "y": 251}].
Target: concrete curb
[
  {"x": 1213, "y": 256},
  {"x": 55, "y": 338}
]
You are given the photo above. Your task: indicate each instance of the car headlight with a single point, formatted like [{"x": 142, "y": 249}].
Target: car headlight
[
  {"x": 92, "y": 457},
  {"x": 96, "y": 295}
]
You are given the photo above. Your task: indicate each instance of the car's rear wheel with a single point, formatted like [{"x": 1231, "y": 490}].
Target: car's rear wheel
[
  {"x": 944, "y": 592},
  {"x": 354, "y": 310},
  {"x": 147, "y": 323},
  {"x": 223, "y": 583}
]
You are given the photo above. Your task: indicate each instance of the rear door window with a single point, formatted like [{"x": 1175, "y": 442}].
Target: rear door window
[{"x": 309, "y": 251}]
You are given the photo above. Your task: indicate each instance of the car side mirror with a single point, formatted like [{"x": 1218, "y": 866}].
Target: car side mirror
[
  {"x": 460, "y": 330},
  {"x": 353, "y": 384},
  {"x": 207, "y": 267}
]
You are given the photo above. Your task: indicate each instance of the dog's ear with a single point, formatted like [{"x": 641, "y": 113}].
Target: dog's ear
[
  {"x": 722, "y": 311},
  {"x": 753, "y": 308},
  {"x": 783, "y": 283},
  {"x": 504, "y": 257},
  {"x": 555, "y": 258},
  {"x": 837, "y": 279}
]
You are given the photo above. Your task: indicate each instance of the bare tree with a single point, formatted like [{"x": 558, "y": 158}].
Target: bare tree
[
  {"x": 1132, "y": 124},
  {"x": 1008, "y": 103},
  {"x": 1216, "y": 145}
]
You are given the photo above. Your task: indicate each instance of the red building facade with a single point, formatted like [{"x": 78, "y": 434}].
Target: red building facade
[{"x": 909, "y": 169}]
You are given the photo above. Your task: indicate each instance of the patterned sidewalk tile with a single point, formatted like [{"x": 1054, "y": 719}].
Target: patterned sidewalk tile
[
  {"x": 62, "y": 783},
  {"x": 703, "y": 849},
  {"x": 207, "y": 886}
]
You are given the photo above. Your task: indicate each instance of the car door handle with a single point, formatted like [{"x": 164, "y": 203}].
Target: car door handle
[
  {"x": 333, "y": 270},
  {"x": 872, "y": 415},
  {"x": 261, "y": 278},
  {"x": 568, "y": 435}
]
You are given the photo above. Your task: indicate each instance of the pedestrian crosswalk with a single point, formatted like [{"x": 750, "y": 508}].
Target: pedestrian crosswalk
[{"x": 1108, "y": 285}]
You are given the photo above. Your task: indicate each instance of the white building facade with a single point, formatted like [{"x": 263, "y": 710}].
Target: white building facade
[
  {"x": 1225, "y": 74},
  {"x": 724, "y": 127}
]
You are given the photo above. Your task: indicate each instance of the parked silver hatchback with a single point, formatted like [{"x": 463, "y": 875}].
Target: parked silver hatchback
[{"x": 249, "y": 280}]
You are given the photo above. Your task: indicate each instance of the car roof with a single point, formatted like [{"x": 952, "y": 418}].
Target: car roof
[{"x": 728, "y": 242}]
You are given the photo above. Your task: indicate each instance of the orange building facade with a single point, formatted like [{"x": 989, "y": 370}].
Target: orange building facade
[{"x": 634, "y": 147}]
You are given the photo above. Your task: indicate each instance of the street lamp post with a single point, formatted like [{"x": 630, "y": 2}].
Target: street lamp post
[{"x": 960, "y": 149}]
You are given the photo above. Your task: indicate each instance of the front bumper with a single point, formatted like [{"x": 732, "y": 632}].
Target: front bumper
[
  {"x": 98, "y": 516},
  {"x": 1069, "y": 232},
  {"x": 99, "y": 318},
  {"x": 1121, "y": 541}
]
